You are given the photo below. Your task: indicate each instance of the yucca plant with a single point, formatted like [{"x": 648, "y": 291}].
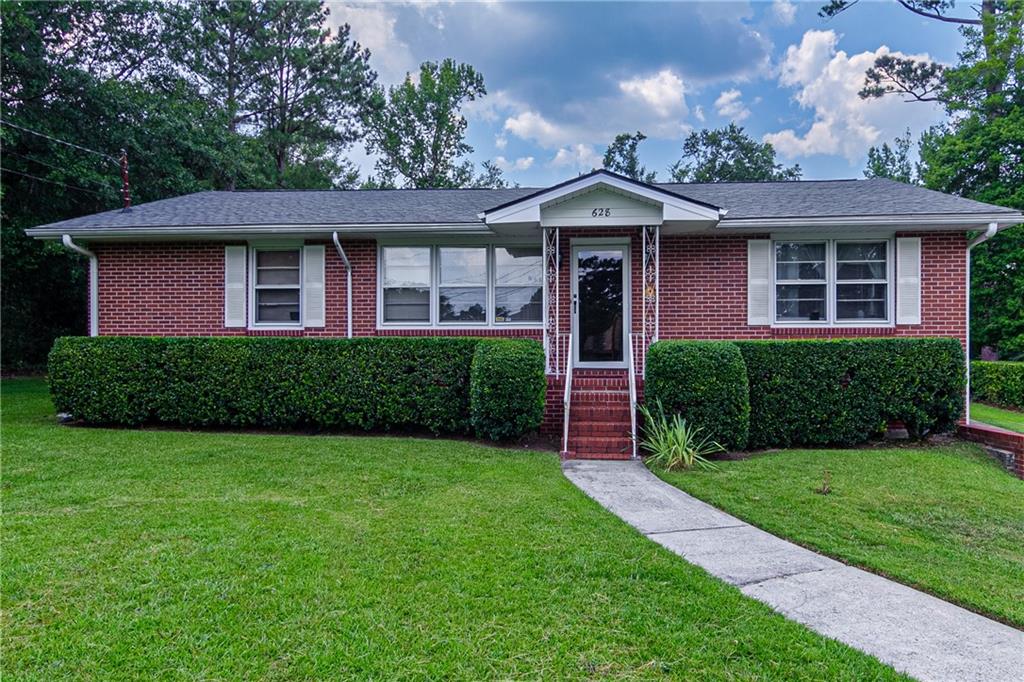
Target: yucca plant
[{"x": 672, "y": 444}]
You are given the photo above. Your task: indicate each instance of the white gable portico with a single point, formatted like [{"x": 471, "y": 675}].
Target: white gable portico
[
  {"x": 598, "y": 333},
  {"x": 608, "y": 216},
  {"x": 603, "y": 199}
]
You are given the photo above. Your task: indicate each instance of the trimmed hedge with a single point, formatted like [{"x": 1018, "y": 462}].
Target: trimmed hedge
[
  {"x": 842, "y": 392},
  {"x": 705, "y": 382},
  {"x": 998, "y": 383},
  {"x": 280, "y": 383},
  {"x": 507, "y": 387}
]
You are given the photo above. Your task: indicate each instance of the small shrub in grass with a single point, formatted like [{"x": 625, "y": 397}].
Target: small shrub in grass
[
  {"x": 998, "y": 383},
  {"x": 507, "y": 388},
  {"x": 706, "y": 383},
  {"x": 671, "y": 443}
]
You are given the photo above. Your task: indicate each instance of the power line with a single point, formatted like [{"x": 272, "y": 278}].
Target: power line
[
  {"x": 8, "y": 152},
  {"x": 52, "y": 182},
  {"x": 59, "y": 141}
]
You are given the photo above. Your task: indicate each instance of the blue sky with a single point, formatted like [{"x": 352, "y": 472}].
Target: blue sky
[{"x": 564, "y": 78}]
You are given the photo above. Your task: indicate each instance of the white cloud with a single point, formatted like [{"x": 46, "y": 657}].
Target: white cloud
[
  {"x": 730, "y": 105},
  {"x": 530, "y": 125},
  {"x": 579, "y": 156},
  {"x": 491, "y": 106},
  {"x": 827, "y": 81},
  {"x": 663, "y": 92},
  {"x": 520, "y": 164},
  {"x": 373, "y": 27},
  {"x": 808, "y": 59},
  {"x": 500, "y": 141},
  {"x": 784, "y": 12},
  {"x": 698, "y": 113}
]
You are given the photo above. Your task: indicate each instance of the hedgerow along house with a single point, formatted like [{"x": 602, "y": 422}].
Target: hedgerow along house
[{"x": 596, "y": 268}]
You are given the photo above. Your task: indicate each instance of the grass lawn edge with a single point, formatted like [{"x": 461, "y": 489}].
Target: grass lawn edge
[{"x": 820, "y": 548}]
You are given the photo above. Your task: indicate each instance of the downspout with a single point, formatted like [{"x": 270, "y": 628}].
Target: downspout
[
  {"x": 980, "y": 239},
  {"x": 348, "y": 282},
  {"x": 94, "y": 283}
]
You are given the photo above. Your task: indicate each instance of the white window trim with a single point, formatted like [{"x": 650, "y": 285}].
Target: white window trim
[
  {"x": 830, "y": 284},
  {"x": 435, "y": 278},
  {"x": 251, "y": 289}
]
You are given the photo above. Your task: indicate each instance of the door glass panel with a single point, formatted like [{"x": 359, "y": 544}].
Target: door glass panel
[{"x": 600, "y": 304}]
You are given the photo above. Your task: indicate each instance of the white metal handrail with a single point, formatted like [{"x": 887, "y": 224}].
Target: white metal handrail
[
  {"x": 639, "y": 345},
  {"x": 632, "y": 395},
  {"x": 567, "y": 398}
]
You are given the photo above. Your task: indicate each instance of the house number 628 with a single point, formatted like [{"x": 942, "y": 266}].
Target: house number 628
[{"x": 601, "y": 213}]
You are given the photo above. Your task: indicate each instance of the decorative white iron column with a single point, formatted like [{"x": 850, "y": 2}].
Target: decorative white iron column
[
  {"x": 652, "y": 249},
  {"x": 551, "y": 300}
]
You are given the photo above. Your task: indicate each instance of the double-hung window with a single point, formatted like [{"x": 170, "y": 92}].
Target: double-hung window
[
  {"x": 461, "y": 285},
  {"x": 518, "y": 284},
  {"x": 406, "y": 284},
  {"x": 800, "y": 282},
  {"x": 862, "y": 273},
  {"x": 832, "y": 282},
  {"x": 277, "y": 288}
]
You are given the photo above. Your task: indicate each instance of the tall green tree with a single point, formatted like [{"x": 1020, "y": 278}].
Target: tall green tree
[
  {"x": 979, "y": 152},
  {"x": 313, "y": 89},
  {"x": 729, "y": 155},
  {"x": 418, "y": 130},
  {"x": 490, "y": 177},
  {"x": 892, "y": 162},
  {"x": 83, "y": 80},
  {"x": 54, "y": 62},
  {"x": 220, "y": 45},
  {"x": 621, "y": 157}
]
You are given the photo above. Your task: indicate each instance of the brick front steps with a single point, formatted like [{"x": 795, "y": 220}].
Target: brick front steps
[
  {"x": 1008, "y": 446},
  {"x": 599, "y": 421}
]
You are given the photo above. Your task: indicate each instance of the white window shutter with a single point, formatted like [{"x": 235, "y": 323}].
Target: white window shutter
[
  {"x": 908, "y": 280},
  {"x": 759, "y": 264},
  {"x": 313, "y": 304},
  {"x": 234, "y": 286}
]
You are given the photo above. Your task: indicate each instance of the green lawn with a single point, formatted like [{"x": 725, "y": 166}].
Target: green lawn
[
  {"x": 997, "y": 416},
  {"x": 948, "y": 520},
  {"x": 161, "y": 554}
]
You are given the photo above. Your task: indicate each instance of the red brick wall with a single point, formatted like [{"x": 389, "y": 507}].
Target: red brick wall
[
  {"x": 704, "y": 291},
  {"x": 177, "y": 288},
  {"x": 161, "y": 289}
]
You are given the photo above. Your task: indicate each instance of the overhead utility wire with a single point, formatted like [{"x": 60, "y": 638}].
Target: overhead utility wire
[
  {"x": 52, "y": 182},
  {"x": 59, "y": 141}
]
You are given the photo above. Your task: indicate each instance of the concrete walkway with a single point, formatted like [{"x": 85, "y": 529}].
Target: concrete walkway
[{"x": 915, "y": 633}]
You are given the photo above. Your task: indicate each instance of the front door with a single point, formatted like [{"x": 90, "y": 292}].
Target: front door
[{"x": 600, "y": 303}]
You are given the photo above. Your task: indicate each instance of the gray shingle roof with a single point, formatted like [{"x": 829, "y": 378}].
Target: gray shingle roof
[
  {"x": 828, "y": 198},
  {"x": 806, "y": 199}
]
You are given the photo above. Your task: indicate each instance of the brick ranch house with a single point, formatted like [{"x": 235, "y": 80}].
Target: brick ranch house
[{"x": 596, "y": 268}]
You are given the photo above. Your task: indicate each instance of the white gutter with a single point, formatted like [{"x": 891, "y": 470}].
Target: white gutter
[
  {"x": 215, "y": 231},
  {"x": 348, "y": 281},
  {"x": 980, "y": 239},
  {"x": 921, "y": 221},
  {"x": 94, "y": 283}
]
